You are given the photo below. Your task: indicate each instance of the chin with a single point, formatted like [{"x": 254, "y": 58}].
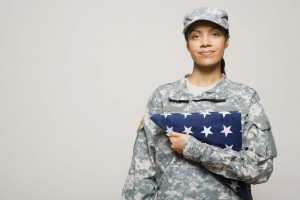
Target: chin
[{"x": 207, "y": 64}]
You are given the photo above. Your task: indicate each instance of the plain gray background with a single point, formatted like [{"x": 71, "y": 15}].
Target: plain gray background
[{"x": 75, "y": 77}]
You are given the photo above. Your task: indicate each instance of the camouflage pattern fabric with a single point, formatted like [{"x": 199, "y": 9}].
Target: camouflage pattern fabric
[
  {"x": 215, "y": 15},
  {"x": 158, "y": 172}
]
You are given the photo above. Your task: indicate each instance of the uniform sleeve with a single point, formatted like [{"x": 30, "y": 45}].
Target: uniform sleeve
[
  {"x": 254, "y": 163},
  {"x": 141, "y": 181}
]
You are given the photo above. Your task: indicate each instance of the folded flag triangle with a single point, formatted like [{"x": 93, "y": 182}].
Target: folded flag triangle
[{"x": 220, "y": 129}]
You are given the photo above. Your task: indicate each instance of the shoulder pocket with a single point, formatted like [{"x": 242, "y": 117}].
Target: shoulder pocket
[{"x": 262, "y": 123}]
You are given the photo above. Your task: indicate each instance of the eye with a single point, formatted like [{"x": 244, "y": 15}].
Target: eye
[
  {"x": 195, "y": 36},
  {"x": 215, "y": 34}
]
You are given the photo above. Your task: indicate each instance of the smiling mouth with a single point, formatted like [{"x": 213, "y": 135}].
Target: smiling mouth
[{"x": 206, "y": 53}]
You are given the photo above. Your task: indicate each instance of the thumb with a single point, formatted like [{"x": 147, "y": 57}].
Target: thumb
[{"x": 173, "y": 134}]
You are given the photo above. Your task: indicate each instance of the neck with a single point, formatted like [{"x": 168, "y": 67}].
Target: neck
[{"x": 204, "y": 77}]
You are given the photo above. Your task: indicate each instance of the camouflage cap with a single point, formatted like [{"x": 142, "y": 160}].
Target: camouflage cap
[{"x": 215, "y": 15}]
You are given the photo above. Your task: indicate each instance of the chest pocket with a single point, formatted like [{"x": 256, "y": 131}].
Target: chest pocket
[{"x": 174, "y": 106}]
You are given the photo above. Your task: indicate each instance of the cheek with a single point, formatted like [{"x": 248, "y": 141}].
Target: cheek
[
  {"x": 221, "y": 47},
  {"x": 220, "y": 43},
  {"x": 190, "y": 47}
]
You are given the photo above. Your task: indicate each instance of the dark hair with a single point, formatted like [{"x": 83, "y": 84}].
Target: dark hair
[
  {"x": 187, "y": 32},
  {"x": 223, "y": 66},
  {"x": 226, "y": 32}
]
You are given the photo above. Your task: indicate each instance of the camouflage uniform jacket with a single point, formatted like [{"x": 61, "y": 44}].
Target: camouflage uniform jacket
[{"x": 158, "y": 172}]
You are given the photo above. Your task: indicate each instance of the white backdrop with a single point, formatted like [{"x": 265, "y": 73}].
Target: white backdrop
[{"x": 75, "y": 77}]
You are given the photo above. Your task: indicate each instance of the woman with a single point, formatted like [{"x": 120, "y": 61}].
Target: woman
[{"x": 176, "y": 165}]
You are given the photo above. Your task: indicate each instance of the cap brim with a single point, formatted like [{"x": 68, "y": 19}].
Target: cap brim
[{"x": 202, "y": 19}]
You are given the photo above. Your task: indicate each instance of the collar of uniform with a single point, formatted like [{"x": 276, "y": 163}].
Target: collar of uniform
[{"x": 216, "y": 93}]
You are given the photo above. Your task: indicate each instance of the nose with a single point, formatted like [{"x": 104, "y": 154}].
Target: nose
[{"x": 205, "y": 41}]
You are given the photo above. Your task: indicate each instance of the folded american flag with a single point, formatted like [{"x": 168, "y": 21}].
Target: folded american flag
[{"x": 221, "y": 129}]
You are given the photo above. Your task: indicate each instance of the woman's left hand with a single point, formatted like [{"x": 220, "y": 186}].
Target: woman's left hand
[{"x": 178, "y": 141}]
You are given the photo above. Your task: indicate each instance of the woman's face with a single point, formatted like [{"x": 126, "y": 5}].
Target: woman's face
[{"x": 206, "y": 43}]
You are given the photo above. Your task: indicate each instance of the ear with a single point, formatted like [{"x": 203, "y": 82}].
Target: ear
[{"x": 227, "y": 41}]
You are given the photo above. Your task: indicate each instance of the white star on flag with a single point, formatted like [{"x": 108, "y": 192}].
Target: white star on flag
[
  {"x": 187, "y": 130},
  {"x": 169, "y": 129},
  {"x": 234, "y": 185},
  {"x": 226, "y": 130},
  {"x": 166, "y": 114},
  {"x": 204, "y": 114},
  {"x": 224, "y": 113},
  {"x": 206, "y": 131},
  {"x": 228, "y": 147},
  {"x": 186, "y": 114}
]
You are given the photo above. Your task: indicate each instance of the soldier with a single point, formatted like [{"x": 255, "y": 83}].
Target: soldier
[{"x": 174, "y": 165}]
